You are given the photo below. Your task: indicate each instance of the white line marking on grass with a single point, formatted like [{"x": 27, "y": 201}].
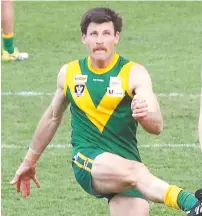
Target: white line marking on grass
[
  {"x": 25, "y": 93},
  {"x": 33, "y": 93},
  {"x": 55, "y": 146},
  {"x": 65, "y": 146},
  {"x": 183, "y": 145},
  {"x": 177, "y": 95}
]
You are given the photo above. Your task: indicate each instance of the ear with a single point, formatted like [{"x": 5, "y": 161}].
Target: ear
[
  {"x": 117, "y": 37},
  {"x": 83, "y": 38}
]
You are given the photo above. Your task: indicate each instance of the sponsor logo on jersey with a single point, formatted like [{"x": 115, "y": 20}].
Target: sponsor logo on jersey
[
  {"x": 115, "y": 92},
  {"x": 115, "y": 82},
  {"x": 79, "y": 90},
  {"x": 98, "y": 80},
  {"x": 80, "y": 78}
]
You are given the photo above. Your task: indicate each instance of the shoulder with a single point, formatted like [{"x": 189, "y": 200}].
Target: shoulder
[
  {"x": 62, "y": 79},
  {"x": 138, "y": 68},
  {"x": 62, "y": 75},
  {"x": 139, "y": 76},
  {"x": 138, "y": 71},
  {"x": 64, "y": 69},
  {"x": 133, "y": 66}
]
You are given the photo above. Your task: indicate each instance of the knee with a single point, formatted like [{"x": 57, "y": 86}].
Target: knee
[{"x": 137, "y": 172}]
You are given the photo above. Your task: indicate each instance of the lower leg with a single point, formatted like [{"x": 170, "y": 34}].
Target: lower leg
[
  {"x": 158, "y": 190},
  {"x": 121, "y": 205},
  {"x": 7, "y": 16},
  {"x": 7, "y": 25}
]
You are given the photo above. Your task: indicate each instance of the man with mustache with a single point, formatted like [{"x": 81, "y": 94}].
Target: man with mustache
[{"x": 109, "y": 96}]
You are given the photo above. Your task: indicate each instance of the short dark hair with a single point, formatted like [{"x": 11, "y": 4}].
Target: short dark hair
[{"x": 101, "y": 15}]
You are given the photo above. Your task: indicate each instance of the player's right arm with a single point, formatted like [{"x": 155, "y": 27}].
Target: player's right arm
[
  {"x": 44, "y": 133},
  {"x": 52, "y": 117}
]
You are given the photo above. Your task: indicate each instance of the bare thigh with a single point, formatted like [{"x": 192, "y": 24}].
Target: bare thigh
[
  {"x": 121, "y": 205},
  {"x": 114, "y": 174}
]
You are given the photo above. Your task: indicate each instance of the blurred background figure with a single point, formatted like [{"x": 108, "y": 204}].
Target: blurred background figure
[{"x": 9, "y": 53}]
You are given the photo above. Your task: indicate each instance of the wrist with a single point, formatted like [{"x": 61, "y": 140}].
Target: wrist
[{"x": 32, "y": 155}]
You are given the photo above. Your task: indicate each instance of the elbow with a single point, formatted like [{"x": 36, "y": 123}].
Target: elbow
[
  {"x": 56, "y": 120},
  {"x": 158, "y": 129},
  {"x": 155, "y": 130}
]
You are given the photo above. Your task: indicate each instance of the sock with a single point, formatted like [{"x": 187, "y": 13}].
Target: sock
[
  {"x": 186, "y": 200},
  {"x": 177, "y": 198},
  {"x": 171, "y": 196},
  {"x": 8, "y": 41}
]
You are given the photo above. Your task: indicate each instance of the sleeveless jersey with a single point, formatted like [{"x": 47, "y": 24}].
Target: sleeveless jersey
[{"x": 100, "y": 107}]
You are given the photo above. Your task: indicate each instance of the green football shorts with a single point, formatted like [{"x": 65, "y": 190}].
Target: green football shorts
[{"x": 82, "y": 162}]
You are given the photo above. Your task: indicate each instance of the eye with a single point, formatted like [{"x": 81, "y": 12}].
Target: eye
[
  {"x": 106, "y": 33},
  {"x": 93, "y": 33}
]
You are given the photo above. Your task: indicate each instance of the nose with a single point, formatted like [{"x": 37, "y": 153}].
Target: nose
[{"x": 99, "y": 39}]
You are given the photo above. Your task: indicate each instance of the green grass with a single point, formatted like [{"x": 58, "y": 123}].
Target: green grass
[{"x": 163, "y": 36}]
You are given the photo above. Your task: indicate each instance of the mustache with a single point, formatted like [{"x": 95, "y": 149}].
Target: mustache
[{"x": 99, "y": 48}]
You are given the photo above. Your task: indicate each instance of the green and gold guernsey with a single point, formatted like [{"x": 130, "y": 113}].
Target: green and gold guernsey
[{"x": 100, "y": 107}]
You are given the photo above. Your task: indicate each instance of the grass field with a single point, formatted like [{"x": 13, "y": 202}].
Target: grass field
[{"x": 166, "y": 37}]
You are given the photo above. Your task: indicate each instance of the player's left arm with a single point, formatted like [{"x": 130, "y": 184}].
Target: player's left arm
[{"x": 145, "y": 106}]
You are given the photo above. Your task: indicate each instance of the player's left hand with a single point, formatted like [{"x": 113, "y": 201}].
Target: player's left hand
[{"x": 139, "y": 107}]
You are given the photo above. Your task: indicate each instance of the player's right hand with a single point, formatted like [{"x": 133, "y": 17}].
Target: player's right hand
[{"x": 25, "y": 173}]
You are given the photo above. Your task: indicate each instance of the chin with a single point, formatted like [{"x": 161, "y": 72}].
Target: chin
[{"x": 99, "y": 56}]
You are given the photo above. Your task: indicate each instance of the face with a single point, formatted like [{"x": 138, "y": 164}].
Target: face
[{"x": 101, "y": 40}]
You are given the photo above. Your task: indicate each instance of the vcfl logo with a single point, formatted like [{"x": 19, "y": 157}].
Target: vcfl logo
[{"x": 79, "y": 89}]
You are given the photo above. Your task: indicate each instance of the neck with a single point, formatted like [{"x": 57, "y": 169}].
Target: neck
[
  {"x": 98, "y": 64},
  {"x": 100, "y": 67}
]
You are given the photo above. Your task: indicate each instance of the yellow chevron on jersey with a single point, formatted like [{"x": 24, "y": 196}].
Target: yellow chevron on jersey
[{"x": 99, "y": 115}]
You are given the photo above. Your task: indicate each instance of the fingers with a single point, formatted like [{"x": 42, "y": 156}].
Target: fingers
[
  {"x": 36, "y": 182},
  {"x": 28, "y": 187},
  {"x": 25, "y": 185},
  {"x": 18, "y": 186},
  {"x": 22, "y": 179},
  {"x": 15, "y": 180},
  {"x": 139, "y": 115},
  {"x": 138, "y": 101},
  {"x": 139, "y": 108}
]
